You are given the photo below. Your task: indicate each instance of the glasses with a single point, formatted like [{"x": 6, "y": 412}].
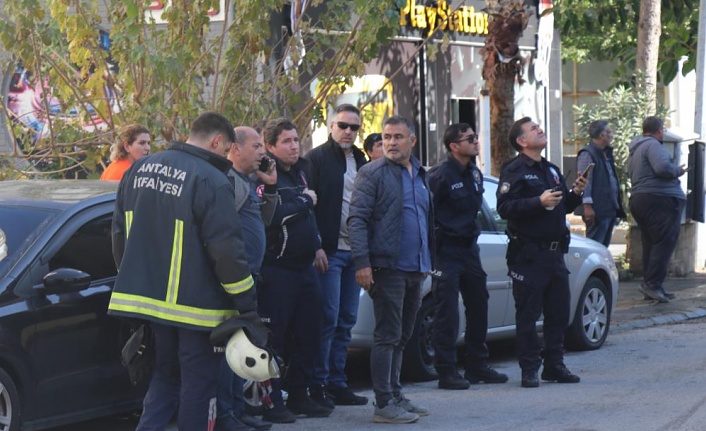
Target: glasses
[
  {"x": 469, "y": 138},
  {"x": 343, "y": 126}
]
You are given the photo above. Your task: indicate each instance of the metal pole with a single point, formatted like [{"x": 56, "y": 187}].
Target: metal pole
[{"x": 700, "y": 119}]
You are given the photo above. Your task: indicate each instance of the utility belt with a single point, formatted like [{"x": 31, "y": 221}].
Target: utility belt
[{"x": 524, "y": 249}]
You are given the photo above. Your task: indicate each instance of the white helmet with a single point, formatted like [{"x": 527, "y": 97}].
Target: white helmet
[{"x": 249, "y": 361}]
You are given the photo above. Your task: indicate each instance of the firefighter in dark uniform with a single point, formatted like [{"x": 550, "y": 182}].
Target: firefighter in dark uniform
[
  {"x": 535, "y": 200},
  {"x": 178, "y": 245},
  {"x": 457, "y": 186}
]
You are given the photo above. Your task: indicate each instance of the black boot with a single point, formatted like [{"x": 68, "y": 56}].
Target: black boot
[
  {"x": 300, "y": 403},
  {"x": 530, "y": 379},
  {"x": 559, "y": 373},
  {"x": 279, "y": 414},
  {"x": 451, "y": 379},
  {"x": 483, "y": 373},
  {"x": 320, "y": 396}
]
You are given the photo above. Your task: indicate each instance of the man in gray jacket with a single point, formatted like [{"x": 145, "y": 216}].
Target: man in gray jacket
[
  {"x": 656, "y": 202},
  {"x": 390, "y": 227}
]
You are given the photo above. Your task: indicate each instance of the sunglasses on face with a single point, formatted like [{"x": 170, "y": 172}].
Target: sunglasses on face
[
  {"x": 343, "y": 126},
  {"x": 469, "y": 138}
]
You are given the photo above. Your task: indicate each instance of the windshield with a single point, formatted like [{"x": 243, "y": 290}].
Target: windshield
[{"x": 17, "y": 224}]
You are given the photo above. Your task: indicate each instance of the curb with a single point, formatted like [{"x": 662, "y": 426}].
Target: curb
[{"x": 662, "y": 319}]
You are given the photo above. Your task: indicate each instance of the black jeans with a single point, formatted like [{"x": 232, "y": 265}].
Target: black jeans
[
  {"x": 396, "y": 299},
  {"x": 540, "y": 284},
  {"x": 659, "y": 218},
  {"x": 459, "y": 270}
]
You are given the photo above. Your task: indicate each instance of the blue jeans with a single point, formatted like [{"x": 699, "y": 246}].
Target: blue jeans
[
  {"x": 601, "y": 230},
  {"x": 341, "y": 295}
]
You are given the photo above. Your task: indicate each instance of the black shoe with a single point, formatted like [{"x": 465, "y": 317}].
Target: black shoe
[
  {"x": 451, "y": 379},
  {"x": 653, "y": 293},
  {"x": 279, "y": 414},
  {"x": 320, "y": 397},
  {"x": 255, "y": 422},
  {"x": 559, "y": 373},
  {"x": 300, "y": 403},
  {"x": 483, "y": 373},
  {"x": 345, "y": 397},
  {"x": 530, "y": 379},
  {"x": 230, "y": 423}
]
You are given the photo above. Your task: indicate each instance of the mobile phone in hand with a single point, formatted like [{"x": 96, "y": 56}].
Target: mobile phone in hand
[
  {"x": 265, "y": 164},
  {"x": 588, "y": 170}
]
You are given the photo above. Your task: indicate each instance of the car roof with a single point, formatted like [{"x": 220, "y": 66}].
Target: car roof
[{"x": 59, "y": 194}]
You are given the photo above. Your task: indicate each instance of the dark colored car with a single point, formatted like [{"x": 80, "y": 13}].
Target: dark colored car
[{"x": 59, "y": 351}]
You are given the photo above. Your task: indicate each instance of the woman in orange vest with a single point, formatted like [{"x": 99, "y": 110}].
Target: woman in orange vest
[{"x": 133, "y": 144}]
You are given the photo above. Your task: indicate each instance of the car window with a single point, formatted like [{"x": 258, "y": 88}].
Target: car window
[
  {"x": 89, "y": 249},
  {"x": 491, "y": 202},
  {"x": 18, "y": 225}
]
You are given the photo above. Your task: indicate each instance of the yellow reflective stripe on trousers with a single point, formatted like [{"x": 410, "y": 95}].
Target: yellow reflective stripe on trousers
[
  {"x": 168, "y": 311},
  {"x": 239, "y": 287},
  {"x": 128, "y": 223},
  {"x": 175, "y": 267}
]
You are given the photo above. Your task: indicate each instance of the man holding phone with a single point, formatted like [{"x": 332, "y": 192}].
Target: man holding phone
[{"x": 602, "y": 203}]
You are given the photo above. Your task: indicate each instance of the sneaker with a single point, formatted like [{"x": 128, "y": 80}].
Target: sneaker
[
  {"x": 254, "y": 422},
  {"x": 230, "y": 423},
  {"x": 345, "y": 397},
  {"x": 300, "y": 403},
  {"x": 451, "y": 379},
  {"x": 483, "y": 373},
  {"x": 559, "y": 373},
  {"x": 656, "y": 294},
  {"x": 279, "y": 414},
  {"x": 320, "y": 397},
  {"x": 530, "y": 379},
  {"x": 393, "y": 414},
  {"x": 406, "y": 404}
]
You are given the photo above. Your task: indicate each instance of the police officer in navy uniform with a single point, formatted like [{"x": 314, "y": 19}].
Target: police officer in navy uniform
[
  {"x": 534, "y": 199},
  {"x": 457, "y": 185}
]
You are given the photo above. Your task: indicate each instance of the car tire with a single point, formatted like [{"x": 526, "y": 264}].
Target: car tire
[
  {"x": 591, "y": 322},
  {"x": 418, "y": 361},
  {"x": 10, "y": 408}
]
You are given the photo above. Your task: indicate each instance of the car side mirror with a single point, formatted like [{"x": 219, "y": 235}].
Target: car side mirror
[{"x": 64, "y": 280}]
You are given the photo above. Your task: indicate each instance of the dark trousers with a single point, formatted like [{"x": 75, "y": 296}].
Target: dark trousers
[
  {"x": 601, "y": 230},
  {"x": 540, "y": 284},
  {"x": 183, "y": 378},
  {"x": 459, "y": 270},
  {"x": 289, "y": 303},
  {"x": 396, "y": 299},
  {"x": 659, "y": 218}
]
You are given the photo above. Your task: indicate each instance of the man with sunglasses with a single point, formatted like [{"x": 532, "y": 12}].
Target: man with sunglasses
[
  {"x": 457, "y": 186},
  {"x": 333, "y": 167}
]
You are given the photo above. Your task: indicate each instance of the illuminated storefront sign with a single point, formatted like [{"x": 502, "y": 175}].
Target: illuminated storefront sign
[{"x": 443, "y": 17}]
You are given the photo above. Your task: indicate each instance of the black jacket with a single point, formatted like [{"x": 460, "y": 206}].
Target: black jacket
[
  {"x": 292, "y": 236},
  {"x": 327, "y": 165},
  {"x": 178, "y": 243}
]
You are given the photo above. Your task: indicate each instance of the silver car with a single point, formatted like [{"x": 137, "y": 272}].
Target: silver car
[{"x": 594, "y": 292}]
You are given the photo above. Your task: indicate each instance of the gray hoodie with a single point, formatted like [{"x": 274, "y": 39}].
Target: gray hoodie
[{"x": 651, "y": 169}]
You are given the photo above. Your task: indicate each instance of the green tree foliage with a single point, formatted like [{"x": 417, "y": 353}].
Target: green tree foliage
[
  {"x": 607, "y": 30},
  {"x": 162, "y": 75}
]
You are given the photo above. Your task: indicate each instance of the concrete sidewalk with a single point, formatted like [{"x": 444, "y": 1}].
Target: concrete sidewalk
[{"x": 632, "y": 311}]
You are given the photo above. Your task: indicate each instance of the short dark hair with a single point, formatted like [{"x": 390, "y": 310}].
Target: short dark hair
[
  {"x": 516, "y": 131},
  {"x": 652, "y": 125},
  {"x": 212, "y": 123},
  {"x": 370, "y": 141},
  {"x": 596, "y": 128},
  {"x": 347, "y": 107},
  {"x": 398, "y": 119},
  {"x": 453, "y": 132},
  {"x": 275, "y": 127}
]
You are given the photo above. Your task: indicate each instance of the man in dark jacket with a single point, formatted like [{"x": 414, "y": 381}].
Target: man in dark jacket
[
  {"x": 178, "y": 244},
  {"x": 602, "y": 199},
  {"x": 333, "y": 167},
  {"x": 657, "y": 202},
  {"x": 289, "y": 297},
  {"x": 391, "y": 227}
]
